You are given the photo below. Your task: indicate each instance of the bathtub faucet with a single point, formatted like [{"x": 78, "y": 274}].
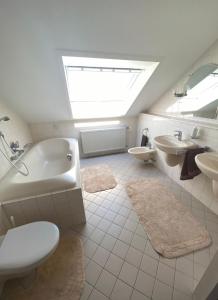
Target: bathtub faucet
[{"x": 15, "y": 149}]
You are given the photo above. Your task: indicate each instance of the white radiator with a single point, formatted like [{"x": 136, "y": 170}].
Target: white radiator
[{"x": 103, "y": 140}]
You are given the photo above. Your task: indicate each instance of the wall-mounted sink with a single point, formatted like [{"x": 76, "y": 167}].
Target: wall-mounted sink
[
  {"x": 208, "y": 164},
  {"x": 172, "y": 145},
  {"x": 173, "y": 148}
]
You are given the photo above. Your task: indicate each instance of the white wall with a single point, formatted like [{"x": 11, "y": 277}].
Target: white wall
[
  {"x": 16, "y": 129},
  {"x": 201, "y": 186},
  {"x": 41, "y": 131}
]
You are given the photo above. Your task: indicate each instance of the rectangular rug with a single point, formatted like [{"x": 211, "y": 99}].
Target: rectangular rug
[
  {"x": 172, "y": 229},
  {"x": 97, "y": 178}
]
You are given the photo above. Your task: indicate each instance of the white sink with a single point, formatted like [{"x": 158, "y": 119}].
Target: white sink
[
  {"x": 173, "y": 148},
  {"x": 172, "y": 145},
  {"x": 208, "y": 164}
]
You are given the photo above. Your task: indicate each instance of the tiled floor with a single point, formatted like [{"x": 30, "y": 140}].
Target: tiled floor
[{"x": 120, "y": 261}]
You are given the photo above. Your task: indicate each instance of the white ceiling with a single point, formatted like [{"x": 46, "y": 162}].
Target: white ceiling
[{"x": 173, "y": 31}]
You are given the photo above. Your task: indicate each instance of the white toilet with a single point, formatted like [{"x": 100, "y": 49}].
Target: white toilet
[
  {"x": 25, "y": 247},
  {"x": 142, "y": 153}
]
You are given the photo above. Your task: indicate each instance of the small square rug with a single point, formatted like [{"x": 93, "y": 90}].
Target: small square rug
[{"x": 97, "y": 178}]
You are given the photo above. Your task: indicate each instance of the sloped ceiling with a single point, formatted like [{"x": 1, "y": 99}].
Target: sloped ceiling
[{"x": 172, "y": 31}]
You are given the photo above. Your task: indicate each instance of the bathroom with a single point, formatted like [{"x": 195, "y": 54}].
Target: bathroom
[{"x": 103, "y": 108}]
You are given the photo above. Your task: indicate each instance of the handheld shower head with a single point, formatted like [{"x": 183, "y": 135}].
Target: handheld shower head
[{"x": 4, "y": 119}]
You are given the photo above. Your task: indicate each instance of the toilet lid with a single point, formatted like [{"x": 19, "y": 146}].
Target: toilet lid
[{"x": 26, "y": 245}]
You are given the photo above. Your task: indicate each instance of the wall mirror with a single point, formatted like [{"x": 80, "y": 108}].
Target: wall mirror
[{"x": 199, "y": 95}]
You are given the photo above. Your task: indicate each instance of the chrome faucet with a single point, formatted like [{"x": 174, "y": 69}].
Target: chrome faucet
[
  {"x": 15, "y": 148},
  {"x": 178, "y": 134}
]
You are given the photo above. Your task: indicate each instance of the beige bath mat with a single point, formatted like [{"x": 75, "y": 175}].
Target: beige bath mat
[
  {"x": 60, "y": 278},
  {"x": 97, "y": 178},
  {"x": 171, "y": 228}
]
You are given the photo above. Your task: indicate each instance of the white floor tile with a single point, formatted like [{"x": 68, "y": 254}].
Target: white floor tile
[
  {"x": 162, "y": 291},
  {"x": 130, "y": 225},
  {"x": 106, "y": 283},
  {"x": 119, "y": 220},
  {"x": 165, "y": 274},
  {"x": 110, "y": 215},
  {"x": 97, "y": 235},
  {"x": 184, "y": 266},
  {"x": 183, "y": 283},
  {"x": 124, "y": 212},
  {"x": 144, "y": 283},
  {"x": 126, "y": 236},
  {"x": 169, "y": 262},
  {"x": 138, "y": 296},
  {"x": 149, "y": 265},
  {"x": 104, "y": 225},
  {"x": 114, "y": 230},
  {"x": 128, "y": 273},
  {"x": 177, "y": 295},
  {"x": 202, "y": 257},
  {"x": 114, "y": 264},
  {"x": 101, "y": 256},
  {"x": 108, "y": 242},
  {"x": 92, "y": 272},
  {"x": 100, "y": 211},
  {"x": 94, "y": 220},
  {"x": 120, "y": 249},
  {"x": 90, "y": 248},
  {"x": 139, "y": 242},
  {"x": 134, "y": 257},
  {"x": 121, "y": 291},
  {"x": 198, "y": 271},
  {"x": 96, "y": 295}
]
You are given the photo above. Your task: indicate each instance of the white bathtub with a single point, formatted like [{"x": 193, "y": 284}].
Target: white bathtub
[{"x": 49, "y": 170}]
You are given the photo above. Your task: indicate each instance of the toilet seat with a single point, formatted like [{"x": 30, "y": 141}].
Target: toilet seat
[{"x": 27, "y": 245}]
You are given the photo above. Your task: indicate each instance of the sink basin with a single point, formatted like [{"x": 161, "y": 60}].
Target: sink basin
[
  {"x": 208, "y": 164},
  {"x": 173, "y": 148},
  {"x": 172, "y": 145}
]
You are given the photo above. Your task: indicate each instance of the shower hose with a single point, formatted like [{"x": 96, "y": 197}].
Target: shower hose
[{"x": 5, "y": 154}]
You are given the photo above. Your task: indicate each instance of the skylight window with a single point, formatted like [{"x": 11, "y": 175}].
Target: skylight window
[{"x": 100, "y": 88}]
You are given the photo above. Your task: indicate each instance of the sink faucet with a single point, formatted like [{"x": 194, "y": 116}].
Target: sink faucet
[
  {"x": 178, "y": 134},
  {"x": 16, "y": 151}
]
